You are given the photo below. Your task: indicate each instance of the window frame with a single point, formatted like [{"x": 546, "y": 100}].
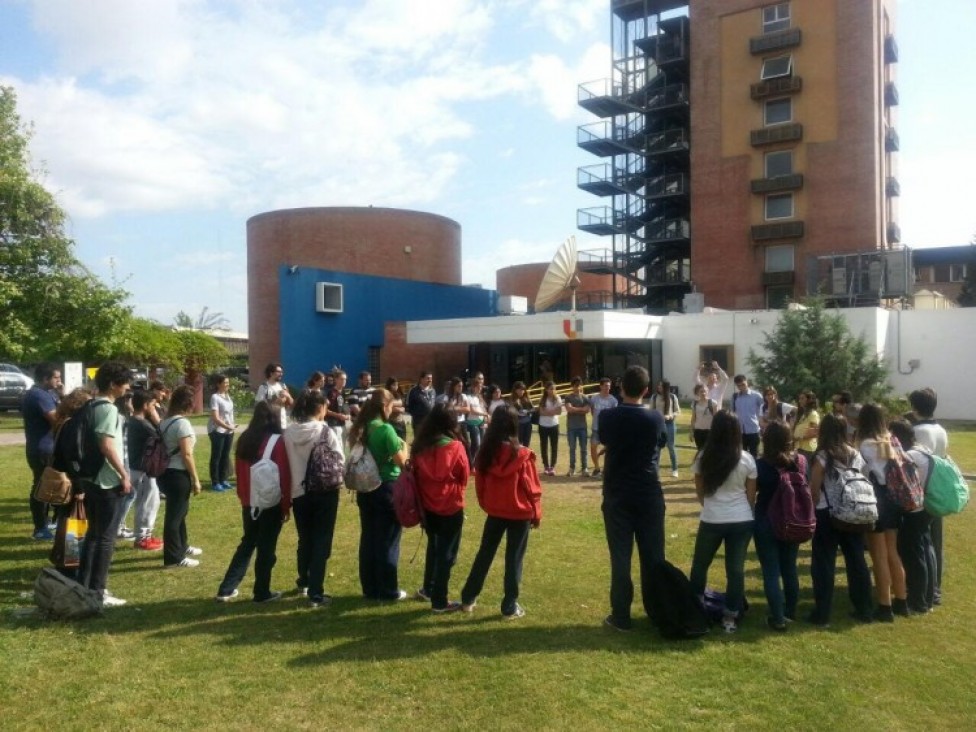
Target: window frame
[
  {"x": 780, "y": 248},
  {"x": 766, "y": 167},
  {"x": 787, "y": 101},
  {"x": 957, "y": 272},
  {"x": 779, "y": 196},
  {"x": 778, "y": 21},
  {"x": 782, "y": 291},
  {"x": 764, "y": 76}
]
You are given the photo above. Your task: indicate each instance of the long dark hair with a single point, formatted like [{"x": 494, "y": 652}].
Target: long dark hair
[
  {"x": 722, "y": 451},
  {"x": 502, "y": 430},
  {"x": 525, "y": 402},
  {"x": 778, "y": 446},
  {"x": 871, "y": 423},
  {"x": 440, "y": 422},
  {"x": 665, "y": 387},
  {"x": 802, "y": 410},
  {"x": 264, "y": 422},
  {"x": 832, "y": 438},
  {"x": 307, "y": 405},
  {"x": 373, "y": 409}
]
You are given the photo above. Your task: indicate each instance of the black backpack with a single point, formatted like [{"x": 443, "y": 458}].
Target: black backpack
[
  {"x": 76, "y": 450},
  {"x": 675, "y": 610}
]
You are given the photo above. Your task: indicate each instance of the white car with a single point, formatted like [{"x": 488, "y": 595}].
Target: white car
[{"x": 14, "y": 383}]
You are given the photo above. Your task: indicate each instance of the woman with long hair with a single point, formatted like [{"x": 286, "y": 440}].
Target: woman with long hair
[
  {"x": 440, "y": 464},
  {"x": 477, "y": 415},
  {"x": 665, "y": 402},
  {"x": 806, "y": 426},
  {"x": 316, "y": 381},
  {"x": 397, "y": 419},
  {"x": 777, "y": 558},
  {"x": 725, "y": 483},
  {"x": 261, "y": 531},
  {"x": 774, "y": 410},
  {"x": 550, "y": 407},
  {"x": 379, "y": 539},
  {"x": 510, "y": 493},
  {"x": 703, "y": 408},
  {"x": 220, "y": 429},
  {"x": 874, "y": 443},
  {"x": 834, "y": 453},
  {"x": 180, "y": 480},
  {"x": 315, "y": 513},
  {"x": 519, "y": 399}
]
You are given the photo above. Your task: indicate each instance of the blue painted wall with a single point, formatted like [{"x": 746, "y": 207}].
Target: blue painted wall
[{"x": 311, "y": 340}]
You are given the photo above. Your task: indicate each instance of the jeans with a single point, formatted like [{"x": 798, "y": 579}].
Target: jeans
[
  {"x": 918, "y": 558},
  {"x": 823, "y": 562},
  {"x": 750, "y": 443},
  {"x": 936, "y": 533},
  {"x": 443, "y": 542},
  {"x": 474, "y": 439},
  {"x": 549, "y": 437},
  {"x": 220, "y": 444},
  {"x": 669, "y": 428},
  {"x": 102, "y": 509},
  {"x": 379, "y": 543},
  {"x": 260, "y": 534},
  {"x": 126, "y": 505},
  {"x": 516, "y": 541},
  {"x": 778, "y": 561},
  {"x": 146, "y": 503},
  {"x": 315, "y": 520},
  {"x": 628, "y": 520},
  {"x": 175, "y": 484},
  {"x": 735, "y": 536},
  {"x": 525, "y": 432},
  {"x": 577, "y": 436},
  {"x": 38, "y": 509}
]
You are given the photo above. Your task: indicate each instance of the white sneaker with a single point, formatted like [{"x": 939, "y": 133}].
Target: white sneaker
[
  {"x": 674, "y": 473},
  {"x": 112, "y": 601},
  {"x": 185, "y": 562},
  {"x": 227, "y": 598},
  {"x": 193, "y": 551}
]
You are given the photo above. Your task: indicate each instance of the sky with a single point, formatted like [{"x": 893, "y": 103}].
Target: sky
[{"x": 163, "y": 126}]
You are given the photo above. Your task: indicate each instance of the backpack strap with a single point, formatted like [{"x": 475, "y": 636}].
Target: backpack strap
[{"x": 269, "y": 448}]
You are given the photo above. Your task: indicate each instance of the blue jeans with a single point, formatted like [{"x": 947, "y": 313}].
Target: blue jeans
[
  {"x": 474, "y": 440},
  {"x": 220, "y": 444},
  {"x": 778, "y": 561},
  {"x": 525, "y": 432},
  {"x": 260, "y": 534},
  {"x": 315, "y": 519},
  {"x": 630, "y": 520},
  {"x": 669, "y": 428},
  {"x": 823, "y": 563},
  {"x": 379, "y": 544},
  {"x": 577, "y": 436},
  {"x": 735, "y": 537},
  {"x": 516, "y": 542}
]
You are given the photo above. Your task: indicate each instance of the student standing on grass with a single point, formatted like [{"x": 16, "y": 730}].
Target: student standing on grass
[
  {"x": 702, "y": 411},
  {"x": 633, "y": 502},
  {"x": 550, "y": 407},
  {"x": 665, "y": 402},
  {"x": 39, "y": 409},
  {"x": 179, "y": 481},
  {"x": 577, "y": 407},
  {"x": 509, "y": 491},
  {"x": 725, "y": 483},
  {"x": 599, "y": 402},
  {"x": 522, "y": 403},
  {"x": 747, "y": 405},
  {"x": 261, "y": 531},
  {"x": 932, "y": 436},
  {"x": 143, "y": 486},
  {"x": 220, "y": 428},
  {"x": 440, "y": 464}
]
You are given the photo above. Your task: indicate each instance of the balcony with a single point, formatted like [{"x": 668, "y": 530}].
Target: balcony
[
  {"x": 894, "y": 233},
  {"x": 891, "y": 94},
  {"x": 663, "y": 186},
  {"x": 664, "y": 50},
  {"x": 778, "y": 183},
  {"x": 892, "y": 187},
  {"x": 670, "y": 141},
  {"x": 667, "y": 231},
  {"x": 891, "y": 142},
  {"x": 603, "y": 139},
  {"x": 788, "y": 38},
  {"x": 604, "y": 98},
  {"x": 890, "y": 49},
  {"x": 770, "y": 232},
  {"x": 604, "y": 221},
  {"x": 780, "y": 133},
  {"x": 673, "y": 95},
  {"x": 603, "y": 179},
  {"x": 777, "y": 87}
]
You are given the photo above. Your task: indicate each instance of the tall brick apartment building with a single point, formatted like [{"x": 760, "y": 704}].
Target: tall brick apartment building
[{"x": 743, "y": 142}]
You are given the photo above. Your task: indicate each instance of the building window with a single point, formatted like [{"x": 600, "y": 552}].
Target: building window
[
  {"x": 778, "y": 111},
  {"x": 957, "y": 272},
  {"x": 779, "y": 259},
  {"x": 778, "y": 163},
  {"x": 774, "y": 68},
  {"x": 776, "y": 17},
  {"x": 778, "y": 296},
  {"x": 779, "y": 206}
]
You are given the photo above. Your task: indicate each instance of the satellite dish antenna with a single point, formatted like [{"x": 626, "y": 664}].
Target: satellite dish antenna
[{"x": 560, "y": 276}]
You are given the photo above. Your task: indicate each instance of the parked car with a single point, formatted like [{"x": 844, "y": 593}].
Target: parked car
[{"x": 14, "y": 383}]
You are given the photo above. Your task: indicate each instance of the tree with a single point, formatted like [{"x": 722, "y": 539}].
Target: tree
[
  {"x": 182, "y": 320},
  {"x": 53, "y": 307},
  {"x": 967, "y": 295},
  {"x": 814, "y": 349}
]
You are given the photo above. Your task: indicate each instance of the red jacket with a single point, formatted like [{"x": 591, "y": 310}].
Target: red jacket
[
  {"x": 280, "y": 457},
  {"x": 442, "y": 477},
  {"x": 510, "y": 489}
]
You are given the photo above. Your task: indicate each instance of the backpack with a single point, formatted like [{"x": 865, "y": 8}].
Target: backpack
[
  {"x": 155, "y": 456},
  {"x": 904, "y": 487},
  {"x": 946, "y": 491},
  {"x": 265, "y": 481},
  {"x": 60, "y": 598},
  {"x": 76, "y": 450},
  {"x": 362, "y": 472},
  {"x": 791, "y": 511},
  {"x": 406, "y": 500},
  {"x": 674, "y": 609},
  {"x": 851, "y": 501},
  {"x": 323, "y": 472}
]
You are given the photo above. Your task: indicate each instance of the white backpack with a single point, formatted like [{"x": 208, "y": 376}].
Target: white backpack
[
  {"x": 265, "y": 481},
  {"x": 850, "y": 496}
]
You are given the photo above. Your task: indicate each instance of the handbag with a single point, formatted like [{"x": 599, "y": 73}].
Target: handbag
[
  {"x": 70, "y": 537},
  {"x": 54, "y": 487},
  {"x": 362, "y": 472}
]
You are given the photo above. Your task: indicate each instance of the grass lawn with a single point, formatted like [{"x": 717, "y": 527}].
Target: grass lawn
[{"x": 174, "y": 658}]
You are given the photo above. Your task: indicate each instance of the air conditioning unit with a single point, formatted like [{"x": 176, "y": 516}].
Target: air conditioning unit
[{"x": 328, "y": 297}]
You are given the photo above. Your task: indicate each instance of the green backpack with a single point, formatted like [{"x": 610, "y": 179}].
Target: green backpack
[{"x": 946, "y": 491}]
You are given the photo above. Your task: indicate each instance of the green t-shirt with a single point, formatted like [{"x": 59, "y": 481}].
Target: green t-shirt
[
  {"x": 384, "y": 443},
  {"x": 107, "y": 422}
]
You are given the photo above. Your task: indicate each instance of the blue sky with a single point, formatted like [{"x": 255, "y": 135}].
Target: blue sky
[{"x": 163, "y": 126}]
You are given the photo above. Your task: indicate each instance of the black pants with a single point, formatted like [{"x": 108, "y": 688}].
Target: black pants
[
  {"x": 379, "y": 544},
  {"x": 315, "y": 519},
  {"x": 220, "y": 444},
  {"x": 176, "y": 486},
  {"x": 750, "y": 443},
  {"x": 629, "y": 520},
  {"x": 525, "y": 433},
  {"x": 102, "y": 509},
  {"x": 918, "y": 558},
  {"x": 936, "y": 532},
  {"x": 38, "y": 509},
  {"x": 823, "y": 564},
  {"x": 516, "y": 542},
  {"x": 701, "y": 436},
  {"x": 260, "y": 534},
  {"x": 549, "y": 437},
  {"x": 443, "y": 542}
]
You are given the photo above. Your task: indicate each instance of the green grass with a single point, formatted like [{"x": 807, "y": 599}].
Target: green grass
[{"x": 174, "y": 658}]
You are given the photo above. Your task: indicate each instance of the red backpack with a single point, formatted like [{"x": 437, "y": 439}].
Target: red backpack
[
  {"x": 406, "y": 499},
  {"x": 904, "y": 487},
  {"x": 791, "y": 511}
]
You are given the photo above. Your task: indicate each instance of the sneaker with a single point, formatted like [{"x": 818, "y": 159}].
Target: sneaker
[
  {"x": 126, "y": 533},
  {"x": 451, "y": 607},
  {"x": 518, "y": 612},
  {"x": 44, "y": 534},
  {"x": 303, "y": 591},
  {"x": 674, "y": 473},
  {"x": 612, "y": 622},
  {"x": 400, "y": 595},
  {"x": 110, "y": 600},
  {"x": 729, "y": 625},
  {"x": 818, "y": 621},
  {"x": 270, "y": 598},
  {"x": 149, "y": 543},
  {"x": 320, "y": 601},
  {"x": 422, "y": 595},
  {"x": 779, "y": 627},
  {"x": 227, "y": 598},
  {"x": 900, "y": 607},
  {"x": 584, "y": 473},
  {"x": 217, "y": 487},
  {"x": 193, "y": 551},
  {"x": 570, "y": 473},
  {"x": 184, "y": 562},
  {"x": 52, "y": 526},
  {"x": 468, "y": 607},
  {"x": 884, "y": 614},
  {"x": 596, "y": 473}
]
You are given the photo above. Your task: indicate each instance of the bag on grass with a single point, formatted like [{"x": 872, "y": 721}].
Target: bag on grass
[
  {"x": 791, "y": 510},
  {"x": 155, "y": 456},
  {"x": 675, "y": 610},
  {"x": 851, "y": 501},
  {"x": 362, "y": 473},
  {"x": 946, "y": 491},
  {"x": 406, "y": 499},
  {"x": 323, "y": 472},
  {"x": 265, "y": 480},
  {"x": 53, "y": 488},
  {"x": 904, "y": 487},
  {"x": 60, "y": 598},
  {"x": 715, "y": 608}
]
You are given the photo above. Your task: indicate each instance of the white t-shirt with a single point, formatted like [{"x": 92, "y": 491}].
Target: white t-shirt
[
  {"x": 172, "y": 435},
  {"x": 703, "y": 413},
  {"x": 933, "y": 437},
  {"x": 729, "y": 504},
  {"x": 876, "y": 456},
  {"x": 549, "y": 420},
  {"x": 267, "y": 392},
  {"x": 598, "y": 403},
  {"x": 224, "y": 406}
]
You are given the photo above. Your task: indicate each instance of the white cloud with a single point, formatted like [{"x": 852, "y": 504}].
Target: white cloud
[
  {"x": 557, "y": 82},
  {"x": 568, "y": 19}
]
